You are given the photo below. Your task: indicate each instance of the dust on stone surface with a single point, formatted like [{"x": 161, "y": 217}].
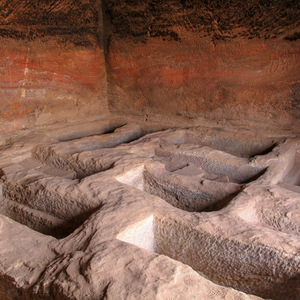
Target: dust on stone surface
[{"x": 92, "y": 216}]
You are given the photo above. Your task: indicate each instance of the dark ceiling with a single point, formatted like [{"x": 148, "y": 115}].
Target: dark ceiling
[
  {"x": 144, "y": 19},
  {"x": 219, "y": 19}
]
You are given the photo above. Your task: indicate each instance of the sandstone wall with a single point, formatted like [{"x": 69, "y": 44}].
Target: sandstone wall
[
  {"x": 220, "y": 60},
  {"x": 52, "y": 65},
  {"x": 231, "y": 61}
]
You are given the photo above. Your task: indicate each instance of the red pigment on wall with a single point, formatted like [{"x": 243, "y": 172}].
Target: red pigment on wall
[
  {"x": 51, "y": 67},
  {"x": 245, "y": 78}
]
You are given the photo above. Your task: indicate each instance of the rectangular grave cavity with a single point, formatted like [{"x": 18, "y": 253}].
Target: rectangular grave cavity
[
  {"x": 188, "y": 193},
  {"x": 66, "y": 155},
  {"x": 246, "y": 145},
  {"x": 44, "y": 198},
  {"x": 40, "y": 221},
  {"x": 193, "y": 178},
  {"x": 247, "y": 268}
]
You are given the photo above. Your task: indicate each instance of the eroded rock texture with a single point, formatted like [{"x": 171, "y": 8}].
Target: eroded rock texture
[
  {"x": 217, "y": 18},
  {"x": 216, "y": 60},
  {"x": 232, "y": 60},
  {"x": 119, "y": 212},
  {"x": 52, "y": 65},
  {"x": 123, "y": 174}
]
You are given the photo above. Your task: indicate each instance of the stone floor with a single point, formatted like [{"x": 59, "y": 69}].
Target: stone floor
[{"x": 115, "y": 210}]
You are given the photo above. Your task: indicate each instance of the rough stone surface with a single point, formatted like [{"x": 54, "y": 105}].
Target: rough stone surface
[
  {"x": 174, "y": 201},
  {"x": 52, "y": 64},
  {"x": 216, "y": 60},
  {"x": 220, "y": 60},
  {"x": 108, "y": 235},
  {"x": 219, "y": 19},
  {"x": 246, "y": 81}
]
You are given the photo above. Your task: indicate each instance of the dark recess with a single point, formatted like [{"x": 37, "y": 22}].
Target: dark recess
[
  {"x": 218, "y": 19},
  {"x": 73, "y": 21},
  {"x": 293, "y": 37}
]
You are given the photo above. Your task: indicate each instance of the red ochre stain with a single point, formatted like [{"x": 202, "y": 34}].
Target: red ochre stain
[
  {"x": 81, "y": 67},
  {"x": 172, "y": 78},
  {"x": 128, "y": 72}
]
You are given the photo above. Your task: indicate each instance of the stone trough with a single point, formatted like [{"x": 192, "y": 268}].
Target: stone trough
[{"x": 129, "y": 214}]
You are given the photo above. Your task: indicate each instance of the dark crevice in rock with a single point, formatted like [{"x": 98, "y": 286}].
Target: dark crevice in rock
[
  {"x": 293, "y": 37},
  {"x": 219, "y": 19}
]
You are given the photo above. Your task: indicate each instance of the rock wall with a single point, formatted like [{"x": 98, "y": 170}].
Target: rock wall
[
  {"x": 219, "y": 60},
  {"x": 223, "y": 61},
  {"x": 52, "y": 65}
]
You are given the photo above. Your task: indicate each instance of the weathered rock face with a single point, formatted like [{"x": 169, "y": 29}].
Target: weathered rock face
[
  {"x": 52, "y": 61},
  {"x": 218, "y": 19},
  {"x": 232, "y": 60},
  {"x": 124, "y": 207},
  {"x": 193, "y": 213},
  {"x": 219, "y": 60}
]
